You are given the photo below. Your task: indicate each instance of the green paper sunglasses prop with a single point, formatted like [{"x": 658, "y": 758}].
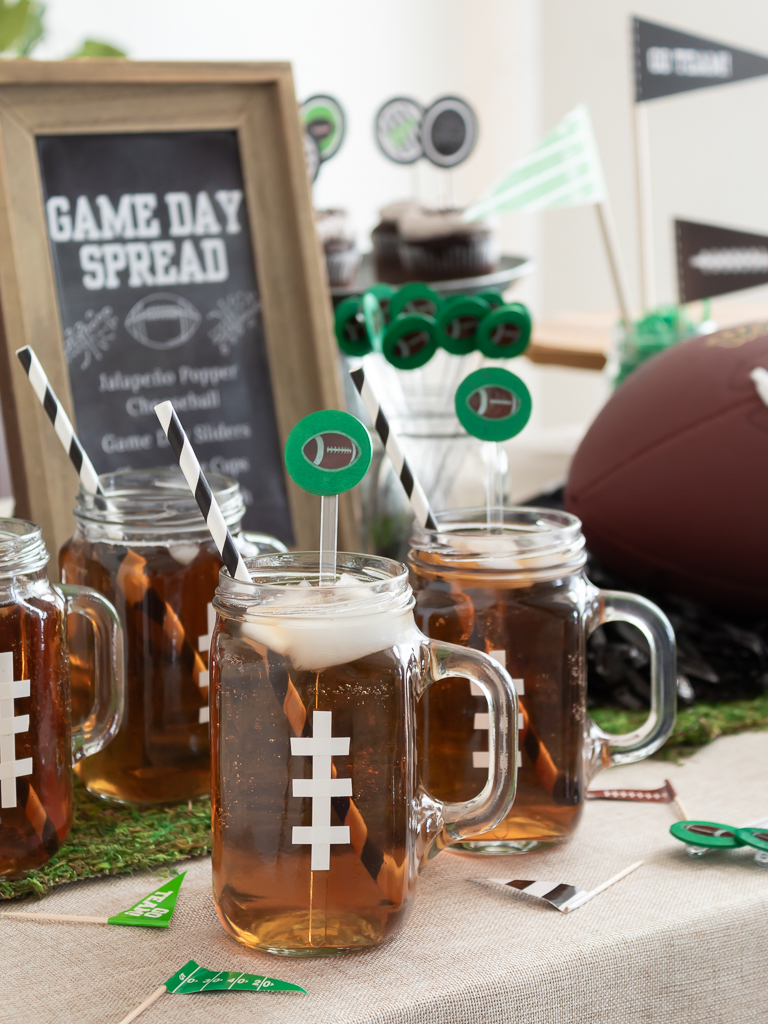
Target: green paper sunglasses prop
[
  {"x": 328, "y": 452},
  {"x": 715, "y": 836}
]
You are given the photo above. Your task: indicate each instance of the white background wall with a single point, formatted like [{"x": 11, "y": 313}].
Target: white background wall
[{"x": 522, "y": 64}]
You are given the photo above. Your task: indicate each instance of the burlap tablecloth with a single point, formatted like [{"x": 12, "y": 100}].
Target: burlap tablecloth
[{"x": 678, "y": 941}]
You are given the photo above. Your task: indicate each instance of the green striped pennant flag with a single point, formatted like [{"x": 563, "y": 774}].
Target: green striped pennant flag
[{"x": 564, "y": 170}]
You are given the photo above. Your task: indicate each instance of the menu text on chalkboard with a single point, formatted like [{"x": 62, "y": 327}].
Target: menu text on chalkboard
[{"x": 159, "y": 299}]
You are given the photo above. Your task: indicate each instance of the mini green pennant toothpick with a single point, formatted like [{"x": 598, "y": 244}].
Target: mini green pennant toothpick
[
  {"x": 153, "y": 911},
  {"x": 194, "y": 978}
]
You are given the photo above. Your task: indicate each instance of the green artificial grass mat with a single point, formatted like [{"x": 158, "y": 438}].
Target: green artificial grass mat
[
  {"x": 109, "y": 840},
  {"x": 695, "y": 726}
]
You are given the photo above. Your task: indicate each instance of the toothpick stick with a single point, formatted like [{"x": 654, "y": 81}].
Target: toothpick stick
[
  {"x": 611, "y": 881},
  {"x": 677, "y": 802},
  {"x": 145, "y": 1005}
]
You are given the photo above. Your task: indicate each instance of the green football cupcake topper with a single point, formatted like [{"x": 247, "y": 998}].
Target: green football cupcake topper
[
  {"x": 410, "y": 341},
  {"x": 493, "y": 404},
  {"x": 351, "y": 332},
  {"x": 505, "y": 332},
  {"x": 415, "y": 297},
  {"x": 328, "y": 452},
  {"x": 458, "y": 323}
]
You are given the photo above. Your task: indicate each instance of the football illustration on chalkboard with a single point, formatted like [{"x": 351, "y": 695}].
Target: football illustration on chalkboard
[
  {"x": 162, "y": 321},
  {"x": 331, "y": 450}
]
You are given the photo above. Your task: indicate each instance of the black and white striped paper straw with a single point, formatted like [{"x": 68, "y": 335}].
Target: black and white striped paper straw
[
  {"x": 411, "y": 485},
  {"x": 199, "y": 486},
  {"x": 65, "y": 432},
  {"x": 561, "y": 895}
]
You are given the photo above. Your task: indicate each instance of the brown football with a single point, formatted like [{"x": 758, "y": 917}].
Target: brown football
[{"x": 671, "y": 480}]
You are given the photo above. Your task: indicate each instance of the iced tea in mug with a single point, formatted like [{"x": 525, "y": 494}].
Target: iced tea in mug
[
  {"x": 145, "y": 545},
  {"x": 516, "y": 589},
  {"x": 37, "y": 742},
  {"x": 320, "y": 820}
]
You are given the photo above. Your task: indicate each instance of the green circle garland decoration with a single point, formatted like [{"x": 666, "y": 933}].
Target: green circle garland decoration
[
  {"x": 706, "y": 833},
  {"x": 458, "y": 323},
  {"x": 493, "y": 404},
  {"x": 755, "y": 837},
  {"x": 350, "y": 328},
  {"x": 505, "y": 332},
  {"x": 410, "y": 341},
  {"x": 415, "y": 297},
  {"x": 375, "y": 323},
  {"x": 328, "y": 452}
]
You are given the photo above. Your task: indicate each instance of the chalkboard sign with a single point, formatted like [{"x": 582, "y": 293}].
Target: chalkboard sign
[
  {"x": 158, "y": 242},
  {"x": 159, "y": 299}
]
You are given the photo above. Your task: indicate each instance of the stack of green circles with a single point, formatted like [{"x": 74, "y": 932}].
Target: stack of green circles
[{"x": 409, "y": 324}]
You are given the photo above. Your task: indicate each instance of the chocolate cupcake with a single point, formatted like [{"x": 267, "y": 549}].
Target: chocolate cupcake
[
  {"x": 386, "y": 241},
  {"x": 342, "y": 256},
  {"x": 437, "y": 245}
]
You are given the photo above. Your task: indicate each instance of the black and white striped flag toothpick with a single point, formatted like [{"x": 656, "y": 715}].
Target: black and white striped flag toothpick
[
  {"x": 411, "y": 486},
  {"x": 65, "y": 432},
  {"x": 199, "y": 486},
  {"x": 561, "y": 895}
]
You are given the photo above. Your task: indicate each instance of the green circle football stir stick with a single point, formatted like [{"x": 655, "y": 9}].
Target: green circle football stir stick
[
  {"x": 327, "y": 453},
  {"x": 493, "y": 405}
]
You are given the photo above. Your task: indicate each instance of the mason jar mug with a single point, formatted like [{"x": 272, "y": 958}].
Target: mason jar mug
[
  {"x": 37, "y": 739},
  {"x": 516, "y": 589},
  {"x": 320, "y": 819},
  {"x": 145, "y": 545}
]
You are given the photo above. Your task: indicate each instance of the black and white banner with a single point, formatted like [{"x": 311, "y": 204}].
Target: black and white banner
[
  {"x": 713, "y": 261},
  {"x": 668, "y": 61}
]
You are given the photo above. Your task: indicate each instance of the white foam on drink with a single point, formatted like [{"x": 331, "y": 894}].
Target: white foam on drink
[{"x": 317, "y": 638}]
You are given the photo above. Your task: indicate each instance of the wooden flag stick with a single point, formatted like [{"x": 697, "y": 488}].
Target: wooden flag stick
[
  {"x": 144, "y": 1006},
  {"x": 608, "y": 229},
  {"x": 644, "y": 208},
  {"x": 617, "y": 878},
  {"x": 677, "y": 802},
  {"x": 70, "y": 918},
  {"x": 587, "y": 896}
]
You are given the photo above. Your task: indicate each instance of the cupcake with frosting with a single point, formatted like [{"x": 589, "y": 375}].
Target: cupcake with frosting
[
  {"x": 342, "y": 256},
  {"x": 437, "y": 245},
  {"x": 386, "y": 241}
]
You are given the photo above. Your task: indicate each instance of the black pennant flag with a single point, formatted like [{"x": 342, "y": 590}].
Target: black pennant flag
[
  {"x": 668, "y": 61},
  {"x": 713, "y": 261}
]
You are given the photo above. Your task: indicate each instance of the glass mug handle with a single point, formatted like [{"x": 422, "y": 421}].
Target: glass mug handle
[
  {"x": 109, "y": 663},
  {"x": 460, "y": 821},
  {"x": 608, "y": 749}
]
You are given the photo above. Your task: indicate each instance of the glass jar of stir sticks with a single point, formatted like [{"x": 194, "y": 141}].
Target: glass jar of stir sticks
[{"x": 146, "y": 546}]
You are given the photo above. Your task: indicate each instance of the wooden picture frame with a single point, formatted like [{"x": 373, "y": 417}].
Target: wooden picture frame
[{"x": 114, "y": 97}]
